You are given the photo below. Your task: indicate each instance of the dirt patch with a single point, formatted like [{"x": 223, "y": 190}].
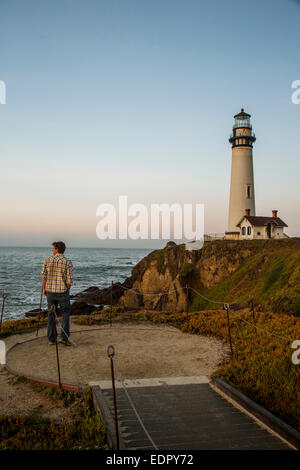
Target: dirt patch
[
  {"x": 22, "y": 399},
  {"x": 143, "y": 350}
]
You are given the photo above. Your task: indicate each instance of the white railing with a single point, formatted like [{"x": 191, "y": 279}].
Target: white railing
[{"x": 213, "y": 236}]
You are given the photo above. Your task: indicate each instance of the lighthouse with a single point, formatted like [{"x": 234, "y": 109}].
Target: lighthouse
[{"x": 242, "y": 196}]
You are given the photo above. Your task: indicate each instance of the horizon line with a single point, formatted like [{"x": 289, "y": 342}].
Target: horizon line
[{"x": 79, "y": 247}]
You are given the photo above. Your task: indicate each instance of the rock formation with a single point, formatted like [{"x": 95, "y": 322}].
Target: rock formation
[{"x": 222, "y": 270}]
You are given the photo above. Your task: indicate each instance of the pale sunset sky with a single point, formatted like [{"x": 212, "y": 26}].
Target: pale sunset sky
[{"x": 137, "y": 97}]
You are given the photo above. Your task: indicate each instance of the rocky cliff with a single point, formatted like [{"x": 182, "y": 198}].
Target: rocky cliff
[{"x": 222, "y": 271}]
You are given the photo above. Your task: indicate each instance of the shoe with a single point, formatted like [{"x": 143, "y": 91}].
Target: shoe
[
  {"x": 66, "y": 343},
  {"x": 51, "y": 343}
]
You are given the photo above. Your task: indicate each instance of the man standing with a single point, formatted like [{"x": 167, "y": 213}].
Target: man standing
[{"x": 57, "y": 277}]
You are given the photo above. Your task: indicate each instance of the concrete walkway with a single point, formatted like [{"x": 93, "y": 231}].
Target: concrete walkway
[{"x": 181, "y": 413}]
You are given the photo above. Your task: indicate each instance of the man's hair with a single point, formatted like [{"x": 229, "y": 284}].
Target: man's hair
[{"x": 60, "y": 246}]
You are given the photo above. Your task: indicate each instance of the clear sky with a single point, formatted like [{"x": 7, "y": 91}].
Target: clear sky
[{"x": 136, "y": 98}]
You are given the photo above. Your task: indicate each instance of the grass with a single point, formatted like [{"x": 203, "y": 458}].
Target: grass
[
  {"x": 272, "y": 276},
  {"x": 159, "y": 254},
  {"x": 186, "y": 270},
  {"x": 21, "y": 326},
  {"x": 270, "y": 272}
]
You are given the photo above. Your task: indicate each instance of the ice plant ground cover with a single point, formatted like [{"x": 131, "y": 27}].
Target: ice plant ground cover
[{"x": 30, "y": 433}]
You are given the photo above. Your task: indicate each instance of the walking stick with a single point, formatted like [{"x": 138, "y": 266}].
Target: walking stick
[
  {"x": 56, "y": 345},
  {"x": 40, "y": 311},
  {"x": 2, "y": 310}
]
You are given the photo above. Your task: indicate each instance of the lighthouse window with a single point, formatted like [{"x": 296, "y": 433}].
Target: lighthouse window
[
  {"x": 249, "y": 230},
  {"x": 248, "y": 191}
]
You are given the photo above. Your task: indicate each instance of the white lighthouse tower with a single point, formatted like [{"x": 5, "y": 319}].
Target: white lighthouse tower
[{"x": 242, "y": 195}]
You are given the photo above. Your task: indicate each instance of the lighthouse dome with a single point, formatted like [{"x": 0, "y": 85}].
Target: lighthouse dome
[{"x": 242, "y": 119}]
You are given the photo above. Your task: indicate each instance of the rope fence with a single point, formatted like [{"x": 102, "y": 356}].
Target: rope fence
[
  {"x": 152, "y": 293},
  {"x": 262, "y": 329},
  {"x": 225, "y": 305}
]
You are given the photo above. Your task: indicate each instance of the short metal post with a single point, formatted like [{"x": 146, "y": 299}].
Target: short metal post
[
  {"x": 111, "y": 353},
  {"x": 4, "y": 296},
  {"x": 226, "y": 306},
  {"x": 56, "y": 345},
  {"x": 40, "y": 311}
]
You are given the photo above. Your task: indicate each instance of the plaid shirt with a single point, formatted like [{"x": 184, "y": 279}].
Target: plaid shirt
[{"x": 58, "y": 271}]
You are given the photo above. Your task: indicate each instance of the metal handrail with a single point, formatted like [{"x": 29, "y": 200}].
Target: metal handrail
[{"x": 252, "y": 134}]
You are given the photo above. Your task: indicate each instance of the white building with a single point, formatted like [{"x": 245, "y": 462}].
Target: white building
[{"x": 261, "y": 227}]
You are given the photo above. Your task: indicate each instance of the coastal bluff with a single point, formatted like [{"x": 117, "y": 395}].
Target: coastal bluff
[{"x": 222, "y": 271}]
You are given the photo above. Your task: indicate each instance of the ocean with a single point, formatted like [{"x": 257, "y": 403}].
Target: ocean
[{"x": 20, "y": 272}]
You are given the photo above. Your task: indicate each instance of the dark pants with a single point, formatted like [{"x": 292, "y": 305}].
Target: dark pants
[{"x": 63, "y": 301}]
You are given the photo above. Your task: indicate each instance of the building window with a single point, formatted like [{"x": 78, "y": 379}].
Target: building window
[
  {"x": 243, "y": 230},
  {"x": 258, "y": 233},
  {"x": 249, "y": 230}
]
